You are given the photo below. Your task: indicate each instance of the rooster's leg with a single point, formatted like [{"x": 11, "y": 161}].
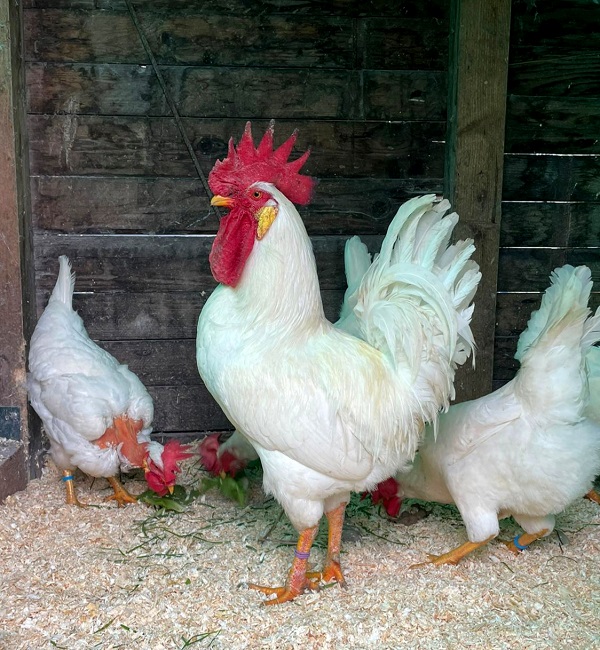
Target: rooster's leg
[
  {"x": 592, "y": 495},
  {"x": 454, "y": 556},
  {"x": 121, "y": 496},
  {"x": 72, "y": 499},
  {"x": 297, "y": 582},
  {"x": 332, "y": 571},
  {"x": 520, "y": 542}
]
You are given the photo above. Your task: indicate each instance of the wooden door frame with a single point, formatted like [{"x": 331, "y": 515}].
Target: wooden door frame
[
  {"x": 21, "y": 439},
  {"x": 477, "y": 81}
]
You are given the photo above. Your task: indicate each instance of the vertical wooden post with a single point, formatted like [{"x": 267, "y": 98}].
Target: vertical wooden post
[
  {"x": 479, "y": 42},
  {"x": 14, "y": 254}
]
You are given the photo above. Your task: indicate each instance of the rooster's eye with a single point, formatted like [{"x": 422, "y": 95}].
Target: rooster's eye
[{"x": 256, "y": 194}]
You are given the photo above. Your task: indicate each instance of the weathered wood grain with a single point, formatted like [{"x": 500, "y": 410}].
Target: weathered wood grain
[
  {"x": 546, "y": 32},
  {"x": 401, "y": 95},
  {"x": 550, "y": 224},
  {"x": 125, "y": 89},
  {"x": 182, "y": 37},
  {"x": 514, "y": 309},
  {"x": 478, "y": 60},
  {"x": 180, "y": 205},
  {"x": 159, "y": 263},
  {"x": 551, "y": 178},
  {"x": 564, "y": 125},
  {"x": 570, "y": 74},
  {"x": 400, "y": 44},
  {"x": 83, "y": 36},
  {"x": 528, "y": 269},
  {"x": 186, "y": 409},
  {"x": 156, "y": 315},
  {"x": 354, "y": 8},
  {"x": 137, "y": 146},
  {"x": 16, "y": 287}
]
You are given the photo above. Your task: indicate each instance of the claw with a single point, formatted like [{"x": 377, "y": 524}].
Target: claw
[
  {"x": 332, "y": 572},
  {"x": 287, "y": 593},
  {"x": 454, "y": 556},
  {"x": 121, "y": 496}
]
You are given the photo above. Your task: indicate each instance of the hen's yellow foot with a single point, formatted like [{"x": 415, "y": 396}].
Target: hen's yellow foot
[
  {"x": 332, "y": 572},
  {"x": 298, "y": 581},
  {"x": 71, "y": 498},
  {"x": 121, "y": 496},
  {"x": 592, "y": 495},
  {"x": 454, "y": 556},
  {"x": 521, "y": 542},
  {"x": 287, "y": 593}
]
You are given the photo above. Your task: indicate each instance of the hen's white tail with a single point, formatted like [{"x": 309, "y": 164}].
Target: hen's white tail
[
  {"x": 65, "y": 283},
  {"x": 413, "y": 303},
  {"x": 553, "y": 348}
]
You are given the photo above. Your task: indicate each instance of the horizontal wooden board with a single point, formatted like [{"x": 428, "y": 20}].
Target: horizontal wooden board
[
  {"x": 157, "y": 315},
  {"x": 68, "y": 35},
  {"x": 545, "y": 32},
  {"x": 165, "y": 362},
  {"x": 551, "y": 178},
  {"x": 565, "y": 125},
  {"x": 570, "y": 74},
  {"x": 514, "y": 309},
  {"x": 72, "y": 204},
  {"x": 137, "y": 146},
  {"x": 183, "y": 37},
  {"x": 528, "y": 269},
  {"x": 186, "y": 408},
  {"x": 163, "y": 263},
  {"x": 550, "y": 224},
  {"x": 400, "y": 44},
  {"x": 354, "y": 8},
  {"x": 124, "y": 89},
  {"x": 401, "y": 95}
]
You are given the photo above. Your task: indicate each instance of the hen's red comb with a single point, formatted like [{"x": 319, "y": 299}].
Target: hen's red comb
[
  {"x": 174, "y": 452},
  {"x": 247, "y": 165}
]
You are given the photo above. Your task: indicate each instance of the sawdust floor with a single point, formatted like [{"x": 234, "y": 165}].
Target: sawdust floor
[{"x": 126, "y": 578}]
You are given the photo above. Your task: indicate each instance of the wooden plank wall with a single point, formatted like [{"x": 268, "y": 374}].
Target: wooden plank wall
[
  {"x": 551, "y": 196},
  {"x": 114, "y": 187}
]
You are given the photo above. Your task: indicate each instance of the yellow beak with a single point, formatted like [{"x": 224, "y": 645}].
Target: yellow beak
[
  {"x": 223, "y": 201},
  {"x": 171, "y": 488}
]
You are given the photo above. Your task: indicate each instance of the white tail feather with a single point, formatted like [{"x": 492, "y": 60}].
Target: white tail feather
[
  {"x": 65, "y": 283},
  {"x": 413, "y": 301},
  {"x": 555, "y": 344}
]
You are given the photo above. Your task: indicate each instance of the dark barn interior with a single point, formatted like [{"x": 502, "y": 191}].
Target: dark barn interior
[{"x": 118, "y": 109}]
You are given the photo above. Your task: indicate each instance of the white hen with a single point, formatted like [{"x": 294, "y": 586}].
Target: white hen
[
  {"x": 526, "y": 450},
  {"x": 327, "y": 412},
  {"x": 96, "y": 412}
]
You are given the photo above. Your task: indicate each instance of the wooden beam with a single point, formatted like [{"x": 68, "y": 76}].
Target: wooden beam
[
  {"x": 479, "y": 40},
  {"x": 14, "y": 247}
]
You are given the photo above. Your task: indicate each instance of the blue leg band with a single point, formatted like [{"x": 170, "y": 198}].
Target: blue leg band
[
  {"x": 302, "y": 556},
  {"x": 67, "y": 478},
  {"x": 516, "y": 543}
]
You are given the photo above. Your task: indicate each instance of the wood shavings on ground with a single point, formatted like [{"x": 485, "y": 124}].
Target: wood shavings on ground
[{"x": 103, "y": 578}]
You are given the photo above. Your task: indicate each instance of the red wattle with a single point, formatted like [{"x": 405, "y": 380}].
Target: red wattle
[{"x": 232, "y": 246}]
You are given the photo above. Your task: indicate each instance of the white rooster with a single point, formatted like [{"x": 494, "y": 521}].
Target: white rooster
[
  {"x": 530, "y": 448},
  {"x": 327, "y": 412},
  {"x": 96, "y": 412}
]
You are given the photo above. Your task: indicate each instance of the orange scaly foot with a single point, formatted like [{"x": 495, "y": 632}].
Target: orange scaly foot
[
  {"x": 454, "y": 556},
  {"x": 520, "y": 543},
  {"x": 592, "y": 495},
  {"x": 121, "y": 496},
  {"x": 71, "y": 499},
  {"x": 298, "y": 581},
  {"x": 332, "y": 571}
]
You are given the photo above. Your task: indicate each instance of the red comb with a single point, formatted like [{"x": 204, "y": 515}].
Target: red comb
[
  {"x": 247, "y": 165},
  {"x": 174, "y": 452}
]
